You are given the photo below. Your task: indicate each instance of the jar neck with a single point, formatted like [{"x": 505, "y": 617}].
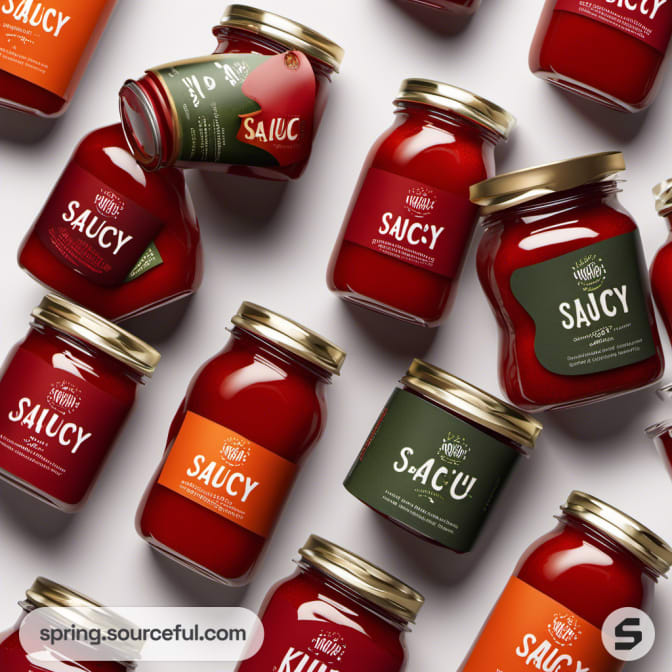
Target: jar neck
[
  {"x": 398, "y": 623},
  {"x": 608, "y": 544},
  {"x": 88, "y": 349},
  {"x": 561, "y": 200},
  {"x": 452, "y": 122},
  {"x": 280, "y": 355}
]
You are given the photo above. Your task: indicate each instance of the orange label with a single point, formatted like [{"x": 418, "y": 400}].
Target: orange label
[
  {"x": 228, "y": 474},
  {"x": 528, "y": 631},
  {"x": 48, "y": 43}
]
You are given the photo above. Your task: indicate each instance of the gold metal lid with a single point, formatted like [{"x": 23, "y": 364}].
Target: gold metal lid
[
  {"x": 621, "y": 528},
  {"x": 290, "y": 33},
  {"x": 663, "y": 194},
  {"x": 454, "y": 99},
  {"x": 369, "y": 581},
  {"x": 521, "y": 186},
  {"x": 72, "y": 319},
  {"x": 290, "y": 335},
  {"x": 473, "y": 403},
  {"x": 47, "y": 593}
]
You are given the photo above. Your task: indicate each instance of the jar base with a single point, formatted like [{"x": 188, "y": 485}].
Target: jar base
[
  {"x": 31, "y": 490},
  {"x": 384, "y": 309},
  {"x": 193, "y": 566},
  {"x": 577, "y": 88}
]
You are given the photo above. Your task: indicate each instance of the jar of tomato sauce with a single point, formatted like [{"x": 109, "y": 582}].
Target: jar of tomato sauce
[
  {"x": 661, "y": 268},
  {"x": 47, "y": 594},
  {"x": 65, "y": 392},
  {"x": 112, "y": 237},
  {"x": 661, "y": 432},
  {"x": 460, "y": 7},
  {"x": 562, "y": 265},
  {"x": 46, "y": 48},
  {"x": 439, "y": 455},
  {"x": 410, "y": 221},
  {"x": 251, "y": 109},
  {"x": 336, "y": 612},
  {"x": 609, "y": 51},
  {"x": 597, "y": 560},
  {"x": 248, "y": 419}
]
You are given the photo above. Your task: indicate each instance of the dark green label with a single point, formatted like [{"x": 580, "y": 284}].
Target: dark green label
[
  {"x": 150, "y": 259},
  {"x": 431, "y": 471},
  {"x": 589, "y": 307},
  {"x": 244, "y": 109}
]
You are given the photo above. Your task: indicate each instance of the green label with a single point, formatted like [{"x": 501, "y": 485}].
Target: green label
[
  {"x": 589, "y": 307},
  {"x": 244, "y": 109},
  {"x": 429, "y": 470},
  {"x": 150, "y": 259}
]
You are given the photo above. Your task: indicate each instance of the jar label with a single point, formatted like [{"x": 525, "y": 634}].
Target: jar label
[
  {"x": 228, "y": 474},
  {"x": 243, "y": 109},
  {"x": 647, "y": 20},
  {"x": 589, "y": 307},
  {"x": 45, "y": 42},
  {"x": 96, "y": 231},
  {"x": 55, "y": 428},
  {"x": 529, "y": 631},
  {"x": 431, "y": 471},
  {"x": 322, "y": 635},
  {"x": 412, "y": 222}
]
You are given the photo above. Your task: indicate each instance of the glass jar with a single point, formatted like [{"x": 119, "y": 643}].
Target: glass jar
[
  {"x": 661, "y": 268},
  {"x": 562, "y": 265},
  {"x": 661, "y": 432},
  {"x": 47, "y": 47},
  {"x": 336, "y": 612},
  {"x": 65, "y": 392},
  {"x": 251, "y": 109},
  {"x": 45, "y": 593},
  {"x": 462, "y": 7},
  {"x": 410, "y": 222},
  {"x": 249, "y": 417},
  {"x": 595, "y": 561},
  {"x": 112, "y": 237},
  {"x": 439, "y": 455},
  {"x": 609, "y": 52}
]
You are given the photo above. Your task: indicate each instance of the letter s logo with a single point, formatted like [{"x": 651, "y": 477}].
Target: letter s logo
[
  {"x": 628, "y": 634},
  {"x": 628, "y": 629}
]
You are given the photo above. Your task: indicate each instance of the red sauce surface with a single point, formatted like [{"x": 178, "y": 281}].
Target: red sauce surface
[
  {"x": 443, "y": 151},
  {"x": 528, "y": 384},
  {"x": 104, "y": 153},
  {"x": 661, "y": 283},
  {"x": 310, "y": 605},
  {"x": 266, "y": 396}
]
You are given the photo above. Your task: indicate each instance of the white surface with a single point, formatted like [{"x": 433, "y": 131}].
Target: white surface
[{"x": 271, "y": 245}]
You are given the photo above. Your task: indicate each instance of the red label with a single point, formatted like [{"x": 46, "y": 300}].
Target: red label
[
  {"x": 648, "y": 20},
  {"x": 55, "y": 428},
  {"x": 94, "y": 229},
  {"x": 412, "y": 222},
  {"x": 528, "y": 631}
]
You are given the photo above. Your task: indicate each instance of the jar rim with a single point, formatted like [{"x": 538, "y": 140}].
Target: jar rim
[
  {"x": 522, "y": 186},
  {"x": 474, "y": 403},
  {"x": 621, "y": 528},
  {"x": 286, "y": 31},
  {"x": 70, "y": 318},
  {"x": 443, "y": 96},
  {"x": 291, "y": 336},
  {"x": 663, "y": 194},
  {"x": 366, "y": 579}
]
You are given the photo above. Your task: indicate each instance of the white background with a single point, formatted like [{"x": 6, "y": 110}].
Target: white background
[{"x": 271, "y": 245}]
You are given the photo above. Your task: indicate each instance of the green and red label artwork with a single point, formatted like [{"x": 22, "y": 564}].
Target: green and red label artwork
[
  {"x": 243, "y": 109},
  {"x": 431, "y": 471},
  {"x": 589, "y": 307}
]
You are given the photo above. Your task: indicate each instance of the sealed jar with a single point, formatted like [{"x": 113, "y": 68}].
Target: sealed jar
[
  {"x": 439, "y": 455},
  {"x": 597, "y": 560},
  {"x": 336, "y": 612},
  {"x": 112, "y": 237},
  {"x": 461, "y": 7},
  {"x": 562, "y": 265},
  {"x": 609, "y": 51},
  {"x": 253, "y": 108},
  {"x": 65, "y": 392},
  {"x": 410, "y": 221},
  {"x": 661, "y": 268},
  {"x": 661, "y": 432},
  {"x": 46, "y": 48},
  {"x": 45, "y": 593},
  {"x": 249, "y": 418}
]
